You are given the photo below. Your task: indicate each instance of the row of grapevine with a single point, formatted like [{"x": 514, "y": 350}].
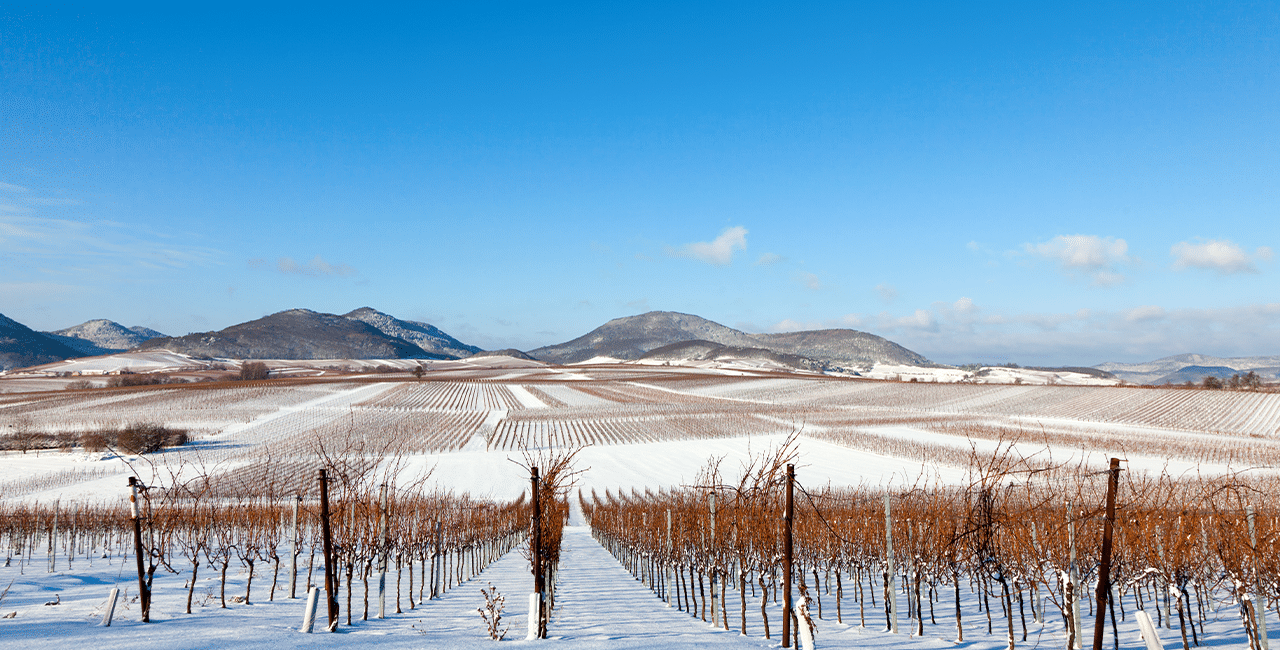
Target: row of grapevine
[
  {"x": 516, "y": 432},
  {"x": 424, "y": 543},
  {"x": 450, "y": 395},
  {"x": 1019, "y": 542}
]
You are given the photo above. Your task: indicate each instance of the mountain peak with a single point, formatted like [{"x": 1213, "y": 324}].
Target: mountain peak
[
  {"x": 430, "y": 338},
  {"x": 102, "y": 336},
  {"x": 631, "y": 337}
]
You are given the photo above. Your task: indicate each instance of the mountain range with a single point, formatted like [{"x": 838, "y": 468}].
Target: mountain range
[
  {"x": 633, "y": 336},
  {"x": 708, "y": 351},
  {"x": 304, "y": 334},
  {"x": 102, "y": 336},
  {"x": 1192, "y": 367},
  {"x": 366, "y": 333}
]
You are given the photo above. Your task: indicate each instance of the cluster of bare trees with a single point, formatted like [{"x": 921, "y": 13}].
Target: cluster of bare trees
[{"x": 1020, "y": 541}]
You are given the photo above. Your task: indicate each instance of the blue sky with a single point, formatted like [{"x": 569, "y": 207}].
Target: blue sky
[{"x": 1047, "y": 184}]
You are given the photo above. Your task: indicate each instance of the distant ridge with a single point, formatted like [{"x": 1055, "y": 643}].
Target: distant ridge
[
  {"x": 630, "y": 337},
  {"x": 430, "y": 338},
  {"x": 296, "y": 334},
  {"x": 102, "y": 336},
  {"x": 505, "y": 352},
  {"x": 843, "y": 347},
  {"x": 21, "y": 346},
  {"x": 633, "y": 336},
  {"x": 709, "y": 351},
  {"x": 1171, "y": 369}
]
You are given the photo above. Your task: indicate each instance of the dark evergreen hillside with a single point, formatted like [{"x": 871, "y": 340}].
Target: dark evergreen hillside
[
  {"x": 295, "y": 334},
  {"x": 21, "y": 346}
]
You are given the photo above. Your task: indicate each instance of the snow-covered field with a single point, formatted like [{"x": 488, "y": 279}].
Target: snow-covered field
[
  {"x": 639, "y": 427},
  {"x": 599, "y": 606}
]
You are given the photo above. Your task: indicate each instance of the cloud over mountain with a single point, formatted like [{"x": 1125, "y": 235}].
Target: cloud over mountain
[{"x": 718, "y": 251}]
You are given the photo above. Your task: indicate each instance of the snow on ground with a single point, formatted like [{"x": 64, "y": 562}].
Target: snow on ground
[
  {"x": 572, "y": 397},
  {"x": 526, "y": 398},
  {"x": 987, "y": 375},
  {"x": 152, "y": 361},
  {"x": 496, "y": 474},
  {"x": 1068, "y": 456},
  {"x": 599, "y": 606}
]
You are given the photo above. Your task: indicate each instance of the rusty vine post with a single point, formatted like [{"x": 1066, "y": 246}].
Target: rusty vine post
[
  {"x": 535, "y": 554},
  {"x": 1104, "y": 568},
  {"x": 144, "y": 594},
  {"x": 330, "y": 586},
  {"x": 788, "y": 524}
]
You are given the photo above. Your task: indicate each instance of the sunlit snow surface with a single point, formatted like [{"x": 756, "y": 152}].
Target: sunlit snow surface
[{"x": 742, "y": 415}]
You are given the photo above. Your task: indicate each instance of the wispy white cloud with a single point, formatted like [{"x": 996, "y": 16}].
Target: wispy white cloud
[
  {"x": 36, "y": 292},
  {"x": 1099, "y": 257},
  {"x": 849, "y": 321},
  {"x": 1221, "y": 255},
  {"x": 809, "y": 280},
  {"x": 1107, "y": 278},
  {"x": 887, "y": 292},
  {"x": 316, "y": 267},
  {"x": 96, "y": 242},
  {"x": 718, "y": 251},
  {"x": 1144, "y": 314},
  {"x": 1087, "y": 252},
  {"x": 768, "y": 259}
]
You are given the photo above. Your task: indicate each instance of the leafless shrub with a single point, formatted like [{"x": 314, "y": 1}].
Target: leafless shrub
[{"x": 254, "y": 370}]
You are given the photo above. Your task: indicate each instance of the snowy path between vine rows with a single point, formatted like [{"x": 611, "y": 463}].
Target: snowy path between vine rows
[{"x": 599, "y": 606}]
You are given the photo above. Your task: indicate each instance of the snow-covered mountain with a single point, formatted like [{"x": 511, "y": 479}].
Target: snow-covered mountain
[
  {"x": 424, "y": 335},
  {"x": 102, "y": 336},
  {"x": 305, "y": 334},
  {"x": 1171, "y": 368},
  {"x": 633, "y": 336}
]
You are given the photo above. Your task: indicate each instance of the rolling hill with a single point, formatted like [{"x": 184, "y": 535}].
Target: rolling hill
[
  {"x": 102, "y": 336},
  {"x": 633, "y": 336},
  {"x": 295, "y": 334},
  {"x": 21, "y": 346}
]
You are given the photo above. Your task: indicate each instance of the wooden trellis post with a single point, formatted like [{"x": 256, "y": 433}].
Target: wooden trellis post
[
  {"x": 1104, "y": 567},
  {"x": 330, "y": 584},
  {"x": 788, "y": 524},
  {"x": 144, "y": 594}
]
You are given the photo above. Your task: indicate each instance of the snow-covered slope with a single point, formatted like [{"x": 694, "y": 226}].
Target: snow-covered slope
[
  {"x": 102, "y": 336},
  {"x": 424, "y": 335}
]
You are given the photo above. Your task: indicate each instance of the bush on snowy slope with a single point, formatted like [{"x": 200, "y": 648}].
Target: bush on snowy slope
[{"x": 136, "y": 438}]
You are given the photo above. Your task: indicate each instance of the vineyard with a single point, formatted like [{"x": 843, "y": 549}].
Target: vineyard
[
  {"x": 1015, "y": 550},
  {"x": 923, "y": 511}
]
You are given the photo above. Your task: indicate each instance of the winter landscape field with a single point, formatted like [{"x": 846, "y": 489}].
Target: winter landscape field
[
  {"x": 652, "y": 325},
  {"x": 988, "y": 488}
]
